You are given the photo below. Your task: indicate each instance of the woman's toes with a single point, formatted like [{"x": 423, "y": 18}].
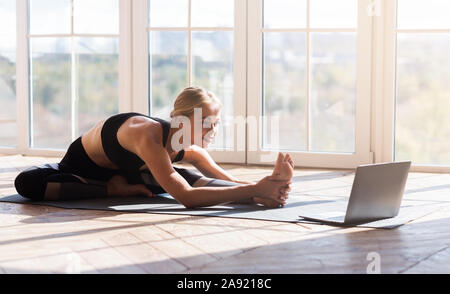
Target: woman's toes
[
  {"x": 278, "y": 164},
  {"x": 280, "y": 157},
  {"x": 289, "y": 159}
]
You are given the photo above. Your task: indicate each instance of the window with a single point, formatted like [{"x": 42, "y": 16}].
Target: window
[
  {"x": 336, "y": 83},
  {"x": 307, "y": 64},
  {"x": 8, "y": 119},
  {"x": 181, "y": 43},
  {"x": 191, "y": 43},
  {"x": 422, "y": 96},
  {"x": 310, "y": 73},
  {"x": 73, "y": 52}
]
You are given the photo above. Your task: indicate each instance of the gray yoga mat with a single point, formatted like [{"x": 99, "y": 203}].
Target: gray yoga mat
[{"x": 165, "y": 204}]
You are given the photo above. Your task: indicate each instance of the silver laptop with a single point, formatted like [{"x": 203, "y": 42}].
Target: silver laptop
[{"x": 377, "y": 193}]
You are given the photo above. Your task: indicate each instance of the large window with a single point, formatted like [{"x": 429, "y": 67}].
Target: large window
[
  {"x": 73, "y": 51},
  {"x": 336, "y": 83},
  {"x": 310, "y": 55},
  {"x": 8, "y": 120},
  {"x": 307, "y": 66},
  {"x": 422, "y": 114},
  {"x": 191, "y": 43}
]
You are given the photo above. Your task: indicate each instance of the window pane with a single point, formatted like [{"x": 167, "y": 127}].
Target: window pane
[
  {"x": 50, "y": 16},
  {"x": 97, "y": 80},
  {"x": 168, "y": 70},
  {"x": 8, "y": 121},
  {"x": 96, "y": 17},
  {"x": 422, "y": 129},
  {"x": 7, "y": 17},
  {"x": 212, "y": 13},
  {"x": 50, "y": 89},
  {"x": 284, "y": 13},
  {"x": 168, "y": 13},
  {"x": 332, "y": 92},
  {"x": 212, "y": 68},
  {"x": 421, "y": 14},
  {"x": 333, "y": 13},
  {"x": 284, "y": 90}
]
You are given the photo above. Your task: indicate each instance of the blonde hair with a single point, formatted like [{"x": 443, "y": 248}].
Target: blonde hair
[{"x": 191, "y": 98}]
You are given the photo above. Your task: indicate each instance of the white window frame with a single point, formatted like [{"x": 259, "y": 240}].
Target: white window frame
[
  {"x": 140, "y": 68},
  {"x": 376, "y": 82},
  {"x": 362, "y": 154},
  {"x": 23, "y": 106},
  {"x": 384, "y": 72}
]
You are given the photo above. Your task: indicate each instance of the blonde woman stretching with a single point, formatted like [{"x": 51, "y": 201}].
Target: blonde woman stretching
[{"x": 132, "y": 154}]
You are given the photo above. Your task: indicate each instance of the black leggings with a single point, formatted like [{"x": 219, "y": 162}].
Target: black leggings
[{"x": 77, "y": 176}]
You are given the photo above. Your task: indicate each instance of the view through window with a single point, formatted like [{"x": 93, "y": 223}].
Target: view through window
[
  {"x": 422, "y": 119},
  {"x": 191, "y": 43},
  {"x": 309, "y": 74},
  {"x": 73, "y": 67},
  {"x": 8, "y": 120}
]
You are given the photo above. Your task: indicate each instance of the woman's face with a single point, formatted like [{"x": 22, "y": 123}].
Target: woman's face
[{"x": 210, "y": 118}]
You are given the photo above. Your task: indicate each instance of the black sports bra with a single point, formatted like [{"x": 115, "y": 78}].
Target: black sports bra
[{"x": 125, "y": 160}]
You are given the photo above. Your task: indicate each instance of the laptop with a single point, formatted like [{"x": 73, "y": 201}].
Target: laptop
[{"x": 376, "y": 194}]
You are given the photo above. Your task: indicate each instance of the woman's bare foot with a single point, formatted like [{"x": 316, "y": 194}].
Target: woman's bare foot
[
  {"x": 118, "y": 186},
  {"x": 284, "y": 166}
]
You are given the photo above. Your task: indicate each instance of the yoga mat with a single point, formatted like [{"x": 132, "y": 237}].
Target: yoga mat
[{"x": 165, "y": 204}]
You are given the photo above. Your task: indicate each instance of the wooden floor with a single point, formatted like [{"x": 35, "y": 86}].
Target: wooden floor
[{"x": 39, "y": 239}]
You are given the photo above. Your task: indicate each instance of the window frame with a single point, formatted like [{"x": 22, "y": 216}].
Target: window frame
[
  {"x": 384, "y": 89},
  {"x": 140, "y": 68},
  {"x": 362, "y": 154},
  {"x": 379, "y": 48},
  {"x": 23, "y": 99}
]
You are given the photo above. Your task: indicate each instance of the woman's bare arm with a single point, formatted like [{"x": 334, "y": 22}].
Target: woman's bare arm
[
  {"x": 157, "y": 160},
  {"x": 160, "y": 166},
  {"x": 202, "y": 160}
]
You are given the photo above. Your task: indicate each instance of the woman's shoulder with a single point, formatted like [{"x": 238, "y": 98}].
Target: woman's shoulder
[
  {"x": 142, "y": 120},
  {"x": 141, "y": 129}
]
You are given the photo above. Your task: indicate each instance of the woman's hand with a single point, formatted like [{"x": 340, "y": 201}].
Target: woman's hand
[
  {"x": 273, "y": 190},
  {"x": 118, "y": 186},
  {"x": 269, "y": 203}
]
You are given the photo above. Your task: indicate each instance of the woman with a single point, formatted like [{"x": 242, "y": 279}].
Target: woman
[{"x": 132, "y": 154}]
